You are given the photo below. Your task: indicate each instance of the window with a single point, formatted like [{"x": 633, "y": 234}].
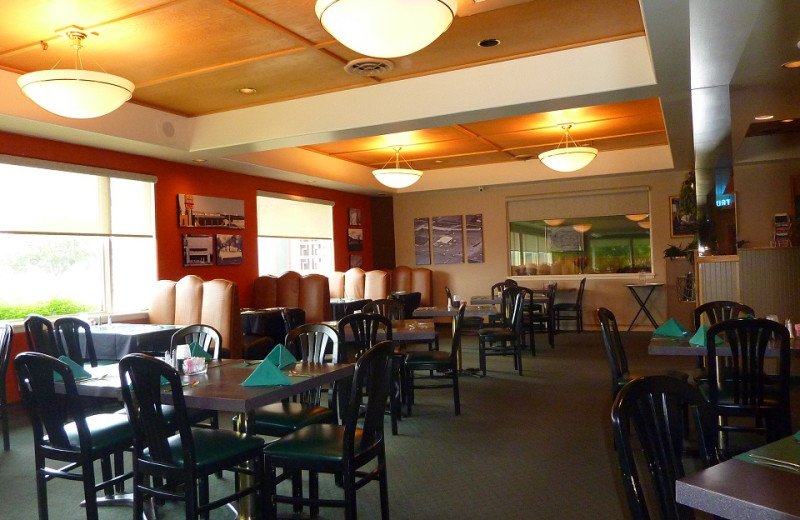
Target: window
[
  {"x": 294, "y": 234},
  {"x": 73, "y": 241},
  {"x": 584, "y": 233}
]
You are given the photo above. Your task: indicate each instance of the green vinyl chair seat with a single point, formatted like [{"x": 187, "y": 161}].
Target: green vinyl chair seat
[
  {"x": 105, "y": 429},
  {"x": 417, "y": 359},
  {"x": 212, "y": 448},
  {"x": 281, "y": 418},
  {"x": 321, "y": 443}
]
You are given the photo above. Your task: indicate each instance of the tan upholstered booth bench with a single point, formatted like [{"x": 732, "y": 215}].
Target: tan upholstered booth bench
[
  {"x": 377, "y": 284},
  {"x": 310, "y": 293},
  {"x": 191, "y": 301}
]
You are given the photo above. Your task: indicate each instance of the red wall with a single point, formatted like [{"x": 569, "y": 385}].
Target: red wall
[{"x": 175, "y": 178}]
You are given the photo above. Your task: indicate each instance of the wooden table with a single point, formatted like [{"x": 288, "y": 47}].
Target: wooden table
[
  {"x": 663, "y": 346},
  {"x": 220, "y": 388},
  {"x": 402, "y": 330},
  {"x": 736, "y": 489}
]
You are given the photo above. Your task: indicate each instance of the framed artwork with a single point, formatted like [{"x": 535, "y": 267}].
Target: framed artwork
[
  {"x": 355, "y": 261},
  {"x": 563, "y": 238},
  {"x": 422, "y": 241},
  {"x": 202, "y": 212},
  {"x": 680, "y": 225},
  {"x": 229, "y": 249},
  {"x": 354, "y": 216},
  {"x": 355, "y": 239},
  {"x": 474, "y": 227},
  {"x": 448, "y": 239},
  {"x": 198, "y": 250}
]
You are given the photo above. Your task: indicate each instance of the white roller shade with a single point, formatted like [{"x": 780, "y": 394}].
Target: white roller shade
[
  {"x": 288, "y": 216},
  {"x": 581, "y": 204}
]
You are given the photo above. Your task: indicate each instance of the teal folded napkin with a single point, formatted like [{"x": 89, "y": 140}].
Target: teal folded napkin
[
  {"x": 671, "y": 329},
  {"x": 198, "y": 351},
  {"x": 266, "y": 374},
  {"x": 281, "y": 357},
  {"x": 78, "y": 372},
  {"x": 699, "y": 338}
]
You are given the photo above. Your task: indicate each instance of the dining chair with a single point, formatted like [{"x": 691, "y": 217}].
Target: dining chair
[
  {"x": 529, "y": 326},
  {"x": 6, "y": 336},
  {"x": 63, "y": 433},
  {"x": 342, "y": 450},
  {"x": 41, "y": 335},
  {"x": 364, "y": 329},
  {"x": 389, "y": 307},
  {"x": 615, "y": 352},
  {"x": 714, "y": 312},
  {"x": 570, "y": 311},
  {"x": 441, "y": 366},
  {"x": 471, "y": 324},
  {"x": 649, "y": 422},
  {"x": 543, "y": 317},
  {"x": 75, "y": 337},
  {"x": 176, "y": 466},
  {"x": 743, "y": 391},
  {"x": 505, "y": 340},
  {"x": 410, "y": 300},
  {"x": 206, "y": 336}
]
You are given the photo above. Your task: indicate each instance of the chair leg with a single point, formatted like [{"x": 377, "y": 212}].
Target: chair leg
[
  {"x": 89, "y": 492},
  {"x": 482, "y": 355},
  {"x": 297, "y": 490},
  {"x": 41, "y": 490},
  {"x": 270, "y": 478},
  {"x": 4, "y": 419},
  {"x": 456, "y": 394},
  {"x": 384, "y": 487},
  {"x": 350, "y": 506},
  {"x": 313, "y": 492}
]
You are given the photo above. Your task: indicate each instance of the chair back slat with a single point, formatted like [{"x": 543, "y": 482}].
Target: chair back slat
[
  {"x": 207, "y": 337},
  {"x": 41, "y": 336},
  {"x": 76, "y": 340},
  {"x": 720, "y": 310},
  {"x": 613, "y": 345},
  {"x": 364, "y": 328},
  {"x": 370, "y": 384},
  {"x": 389, "y": 307}
]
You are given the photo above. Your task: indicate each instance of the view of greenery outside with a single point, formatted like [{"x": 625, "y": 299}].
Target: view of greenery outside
[{"x": 592, "y": 245}]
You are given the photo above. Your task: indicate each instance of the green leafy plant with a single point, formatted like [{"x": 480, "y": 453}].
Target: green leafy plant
[
  {"x": 687, "y": 252},
  {"x": 54, "y": 307}
]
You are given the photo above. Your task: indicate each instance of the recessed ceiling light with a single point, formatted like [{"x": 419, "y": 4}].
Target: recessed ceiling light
[
  {"x": 311, "y": 182},
  {"x": 438, "y": 161},
  {"x": 199, "y": 160},
  {"x": 247, "y": 90},
  {"x": 489, "y": 42},
  {"x": 786, "y": 120},
  {"x": 764, "y": 117},
  {"x": 791, "y": 64}
]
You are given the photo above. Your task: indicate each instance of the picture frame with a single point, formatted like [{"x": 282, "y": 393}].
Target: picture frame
[
  {"x": 198, "y": 250},
  {"x": 229, "y": 249},
  {"x": 354, "y": 216},
  {"x": 197, "y": 211},
  {"x": 448, "y": 239},
  {"x": 422, "y": 241},
  {"x": 474, "y": 231},
  {"x": 356, "y": 261},
  {"x": 355, "y": 239},
  {"x": 680, "y": 225}
]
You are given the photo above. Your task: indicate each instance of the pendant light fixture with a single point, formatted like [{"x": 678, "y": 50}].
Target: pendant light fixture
[
  {"x": 582, "y": 228},
  {"x": 386, "y": 28},
  {"x": 636, "y": 217},
  {"x": 397, "y": 177},
  {"x": 76, "y": 93},
  {"x": 554, "y": 221},
  {"x": 570, "y": 157}
]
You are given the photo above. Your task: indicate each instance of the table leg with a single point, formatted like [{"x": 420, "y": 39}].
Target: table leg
[
  {"x": 642, "y": 307},
  {"x": 247, "y": 509}
]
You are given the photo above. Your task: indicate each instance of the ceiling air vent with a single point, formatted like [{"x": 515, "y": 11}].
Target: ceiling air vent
[{"x": 368, "y": 67}]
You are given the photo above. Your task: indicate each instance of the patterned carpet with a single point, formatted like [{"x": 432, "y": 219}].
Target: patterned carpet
[{"x": 531, "y": 446}]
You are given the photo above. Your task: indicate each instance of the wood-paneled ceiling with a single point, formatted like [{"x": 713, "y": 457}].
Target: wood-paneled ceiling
[{"x": 191, "y": 57}]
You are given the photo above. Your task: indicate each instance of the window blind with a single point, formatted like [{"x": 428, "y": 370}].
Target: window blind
[
  {"x": 581, "y": 204},
  {"x": 291, "y": 216}
]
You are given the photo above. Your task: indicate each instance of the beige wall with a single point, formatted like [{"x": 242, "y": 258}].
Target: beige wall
[
  {"x": 475, "y": 279},
  {"x": 761, "y": 191}
]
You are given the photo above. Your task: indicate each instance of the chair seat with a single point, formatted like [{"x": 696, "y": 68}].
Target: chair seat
[
  {"x": 565, "y": 306},
  {"x": 194, "y": 415},
  {"x": 213, "y": 447},
  {"x": 321, "y": 443},
  {"x": 421, "y": 357},
  {"x": 280, "y": 419},
  {"x": 106, "y": 430},
  {"x": 497, "y": 334}
]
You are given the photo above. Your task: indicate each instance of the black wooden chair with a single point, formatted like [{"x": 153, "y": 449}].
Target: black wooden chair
[
  {"x": 757, "y": 402},
  {"x": 206, "y": 336},
  {"x": 442, "y": 367},
  {"x": 615, "y": 352},
  {"x": 711, "y": 313},
  {"x": 543, "y": 317},
  {"x": 6, "y": 336},
  {"x": 176, "y": 466},
  {"x": 505, "y": 340},
  {"x": 343, "y": 450},
  {"x": 529, "y": 325},
  {"x": 471, "y": 324},
  {"x": 63, "y": 433},
  {"x": 69, "y": 331},
  {"x": 649, "y": 422},
  {"x": 364, "y": 328},
  {"x": 570, "y": 311},
  {"x": 389, "y": 307},
  {"x": 41, "y": 335}
]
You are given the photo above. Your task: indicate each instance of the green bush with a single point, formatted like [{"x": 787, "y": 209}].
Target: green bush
[{"x": 54, "y": 307}]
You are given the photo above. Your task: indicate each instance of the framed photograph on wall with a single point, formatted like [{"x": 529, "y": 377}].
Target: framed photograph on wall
[
  {"x": 355, "y": 261},
  {"x": 448, "y": 239},
  {"x": 680, "y": 225},
  {"x": 354, "y": 216},
  {"x": 422, "y": 241},
  {"x": 202, "y": 212},
  {"x": 198, "y": 250},
  {"x": 229, "y": 249},
  {"x": 474, "y": 226},
  {"x": 355, "y": 239}
]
